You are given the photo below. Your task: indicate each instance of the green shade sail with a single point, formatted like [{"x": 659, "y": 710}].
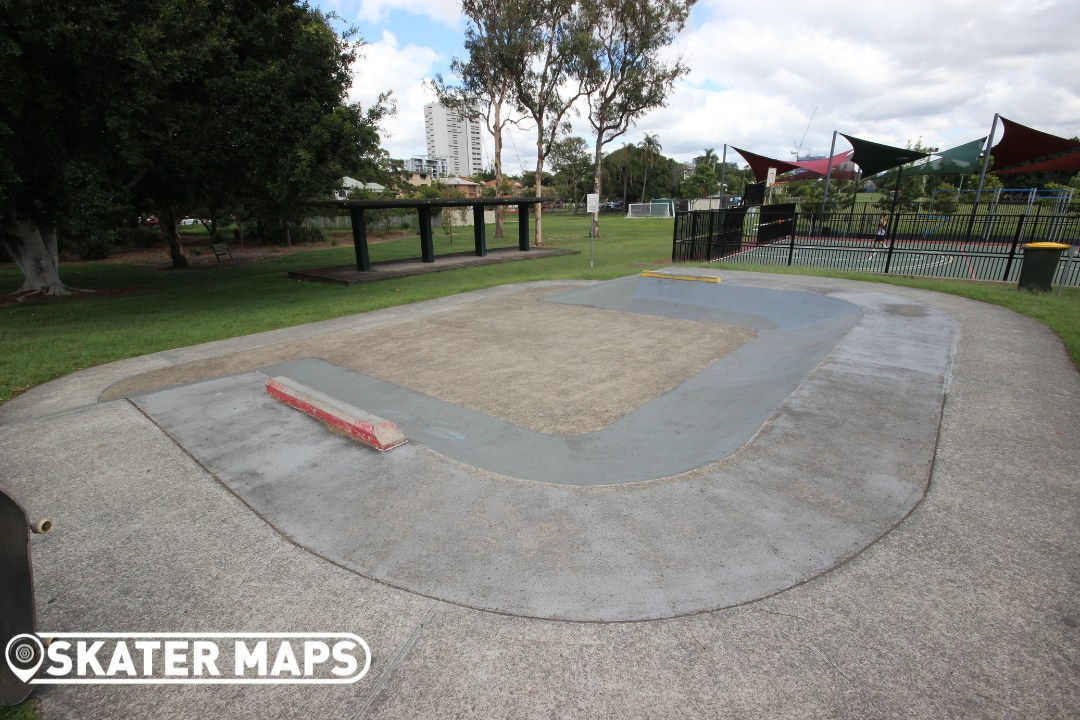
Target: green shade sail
[
  {"x": 874, "y": 157},
  {"x": 960, "y": 160}
]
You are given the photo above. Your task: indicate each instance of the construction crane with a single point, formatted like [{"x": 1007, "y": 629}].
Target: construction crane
[{"x": 798, "y": 148}]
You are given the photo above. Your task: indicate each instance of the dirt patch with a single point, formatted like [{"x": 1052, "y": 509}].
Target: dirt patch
[
  {"x": 558, "y": 369},
  {"x": 11, "y": 299},
  {"x": 199, "y": 254}
]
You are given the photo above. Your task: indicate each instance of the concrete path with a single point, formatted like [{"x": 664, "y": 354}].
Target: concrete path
[{"x": 969, "y": 607}]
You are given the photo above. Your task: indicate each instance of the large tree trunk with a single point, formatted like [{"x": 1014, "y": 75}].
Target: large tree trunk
[
  {"x": 172, "y": 237},
  {"x": 497, "y": 125},
  {"x": 35, "y": 252},
  {"x": 598, "y": 174},
  {"x": 537, "y": 237},
  {"x": 539, "y": 212}
]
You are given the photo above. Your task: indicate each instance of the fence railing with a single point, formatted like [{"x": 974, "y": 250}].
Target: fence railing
[{"x": 983, "y": 247}]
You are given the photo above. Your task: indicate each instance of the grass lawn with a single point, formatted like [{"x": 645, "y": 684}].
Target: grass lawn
[
  {"x": 141, "y": 309},
  {"x": 22, "y": 711}
]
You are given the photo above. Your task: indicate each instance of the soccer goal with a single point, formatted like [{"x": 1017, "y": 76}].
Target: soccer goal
[{"x": 654, "y": 209}]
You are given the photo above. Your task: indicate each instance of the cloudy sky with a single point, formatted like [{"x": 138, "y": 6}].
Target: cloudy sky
[{"x": 888, "y": 71}]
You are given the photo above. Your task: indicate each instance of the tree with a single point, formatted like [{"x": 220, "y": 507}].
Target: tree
[
  {"x": 944, "y": 201},
  {"x": 257, "y": 122},
  {"x": 571, "y": 164},
  {"x": 549, "y": 36},
  {"x": 702, "y": 183},
  {"x": 487, "y": 88},
  {"x": 619, "y": 169},
  {"x": 247, "y": 112},
  {"x": 625, "y": 76},
  {"x": 650, "y": 146},
  {"x": 809, "y": 194},
  {"x": 65, "y": 150}
]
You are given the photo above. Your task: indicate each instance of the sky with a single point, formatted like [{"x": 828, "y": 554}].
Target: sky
[{"x": 779, "y": 76}]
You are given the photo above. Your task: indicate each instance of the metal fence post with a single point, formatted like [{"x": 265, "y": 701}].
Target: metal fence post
[
  {"x": 675, "y": 235},
  {"x": 791, "y": 239},
  {"x": 1015, "y": 242},
  {"x": 892, "y": 242}
]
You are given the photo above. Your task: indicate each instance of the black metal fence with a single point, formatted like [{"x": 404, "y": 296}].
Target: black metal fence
[
  {"x": 958, "y": 245},
  {"x": 707, "y": 235}
]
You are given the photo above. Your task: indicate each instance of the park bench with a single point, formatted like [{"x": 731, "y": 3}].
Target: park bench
[{"x": 221, "y": 250}]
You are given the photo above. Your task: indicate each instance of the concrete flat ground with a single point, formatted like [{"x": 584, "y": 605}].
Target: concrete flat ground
[{"x": 905, "y": 516}]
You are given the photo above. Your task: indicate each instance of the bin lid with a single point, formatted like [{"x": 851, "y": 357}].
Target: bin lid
[{"x": 1047, "y": 246}]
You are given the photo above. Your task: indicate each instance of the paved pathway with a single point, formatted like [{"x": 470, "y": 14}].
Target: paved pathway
[{"x": 970, "y": 607}]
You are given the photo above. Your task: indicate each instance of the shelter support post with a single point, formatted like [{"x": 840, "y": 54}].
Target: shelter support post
[
  {"x": 479, "y": 230},
  {"x": 523, "y": 227},
  {"x": 359, "y": 238},
  {"x": 982, "y": 177},
  {"x": 427, "y": 246},
  {"x": 828, "y": 176}
]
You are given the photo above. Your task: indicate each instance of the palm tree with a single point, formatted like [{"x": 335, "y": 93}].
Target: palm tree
[
  {"x": 650, "y": 148},
  {"x": 709, "y": 157}
]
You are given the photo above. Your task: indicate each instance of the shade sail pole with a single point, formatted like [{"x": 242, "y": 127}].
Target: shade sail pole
[
  {"x": 828, "y": 175},
  {"x": 723, "y": 172},
  {"x": 982, "y": 176}
]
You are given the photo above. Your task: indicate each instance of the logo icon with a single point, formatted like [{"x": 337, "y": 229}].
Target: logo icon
[{"x": 24, "y": 654}]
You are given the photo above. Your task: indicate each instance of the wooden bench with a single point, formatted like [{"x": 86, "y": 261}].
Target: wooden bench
[{"x": 221, "y": 250}]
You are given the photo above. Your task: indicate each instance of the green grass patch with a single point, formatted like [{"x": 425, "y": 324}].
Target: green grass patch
[
  {"x": 22, "y": 711},
  {"x": 138, "y": 309}
]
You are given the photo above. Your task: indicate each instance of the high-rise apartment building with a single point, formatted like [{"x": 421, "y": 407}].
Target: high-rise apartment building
[{"x": 453, "y": 137}]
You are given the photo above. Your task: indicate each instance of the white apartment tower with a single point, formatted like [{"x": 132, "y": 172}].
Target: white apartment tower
[{"x": 453, "y": 137}]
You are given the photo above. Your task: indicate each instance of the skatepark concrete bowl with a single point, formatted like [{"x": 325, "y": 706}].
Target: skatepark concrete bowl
[{"x": 774, "y": 463}]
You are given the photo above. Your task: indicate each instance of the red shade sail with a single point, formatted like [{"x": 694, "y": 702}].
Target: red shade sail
[
  {"x": 842, "y": 167},
  {"x": 761, "y": 164},
  {"x": 1021, "y": 143},
  {"x": 1068, "y": 162}
]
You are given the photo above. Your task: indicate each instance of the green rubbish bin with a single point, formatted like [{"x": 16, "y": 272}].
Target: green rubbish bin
[{"x": 1040, "y": 264}]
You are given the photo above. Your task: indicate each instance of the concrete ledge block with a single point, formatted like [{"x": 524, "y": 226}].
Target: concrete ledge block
[
  {"x": 356, "y": 423},
  {"x": 665, "y": 275}
]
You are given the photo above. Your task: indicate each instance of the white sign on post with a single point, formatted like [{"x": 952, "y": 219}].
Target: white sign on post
[
  {"x": 770, "y": 180},
  {"x": 592, "y": 203}
]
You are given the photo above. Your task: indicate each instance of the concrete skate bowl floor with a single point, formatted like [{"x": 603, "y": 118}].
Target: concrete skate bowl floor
[{"x": 771, "y": 465}]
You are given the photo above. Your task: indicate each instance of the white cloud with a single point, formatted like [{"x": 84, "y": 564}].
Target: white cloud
[
  {"x": 884, "y": 70},
  {"x": 388, "y": 65}
]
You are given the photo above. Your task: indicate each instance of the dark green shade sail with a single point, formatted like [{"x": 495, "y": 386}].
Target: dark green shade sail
[{"x": 874, "y": 157}]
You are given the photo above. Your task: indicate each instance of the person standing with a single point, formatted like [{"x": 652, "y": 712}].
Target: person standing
[{"x": 882, "y": 231}]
